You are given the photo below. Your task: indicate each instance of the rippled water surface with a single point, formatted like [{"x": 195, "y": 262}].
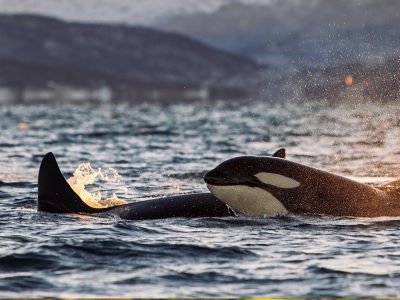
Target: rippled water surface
[{"x": 165, "y": 150}]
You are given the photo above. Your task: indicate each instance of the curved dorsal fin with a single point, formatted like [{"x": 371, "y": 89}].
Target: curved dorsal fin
[
  {"x": 54, "y": 192},
  {"x": 281, "y": 153}
]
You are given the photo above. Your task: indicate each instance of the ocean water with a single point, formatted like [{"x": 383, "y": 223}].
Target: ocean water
[{"x": 164, "y": 150}]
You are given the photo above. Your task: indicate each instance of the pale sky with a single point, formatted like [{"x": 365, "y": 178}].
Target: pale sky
[{"x": 116, "y": 11}]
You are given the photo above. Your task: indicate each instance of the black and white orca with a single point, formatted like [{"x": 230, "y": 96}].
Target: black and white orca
[
  {"x": 55, "y": 195},
  {"x": 265, "y": 186}
]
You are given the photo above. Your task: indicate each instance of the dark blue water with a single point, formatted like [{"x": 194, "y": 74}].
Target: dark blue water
[{"x": 165, "y": 150}]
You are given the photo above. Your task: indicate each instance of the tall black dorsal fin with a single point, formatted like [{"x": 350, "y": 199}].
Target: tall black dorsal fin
[
  {"x": 55, "y": 194},
  {"x": 281, "y": 153}
]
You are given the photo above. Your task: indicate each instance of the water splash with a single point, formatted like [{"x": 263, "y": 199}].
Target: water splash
[{"x": 85, "y": 175}]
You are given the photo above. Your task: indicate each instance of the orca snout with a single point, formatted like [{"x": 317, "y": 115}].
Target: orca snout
[
  {"x": 215, "y": 177},
  {"x": 234, "y": 171}
]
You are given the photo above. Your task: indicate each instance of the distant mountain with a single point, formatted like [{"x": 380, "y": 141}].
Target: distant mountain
[
  {"x": 40, "y": 52},
  {"x": 298, "y": 33},
  {"x": 132, "y": 12}
]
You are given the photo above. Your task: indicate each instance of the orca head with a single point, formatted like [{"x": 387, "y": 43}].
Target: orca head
[{"x": 254, "y": 185}]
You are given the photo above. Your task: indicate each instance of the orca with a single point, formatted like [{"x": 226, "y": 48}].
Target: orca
[
  {"x": 55, "y": 195},
  {"x": 266, "y": 186}
]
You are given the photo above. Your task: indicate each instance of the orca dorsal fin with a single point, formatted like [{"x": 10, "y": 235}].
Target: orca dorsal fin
[
  {"x": 55, "y": 194},
  {"x": 281, "y": 153}
]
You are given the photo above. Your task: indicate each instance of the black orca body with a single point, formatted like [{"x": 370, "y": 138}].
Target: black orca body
[
  {"x": 258, "y": 186},
  {"x": 56, "y": 196}
]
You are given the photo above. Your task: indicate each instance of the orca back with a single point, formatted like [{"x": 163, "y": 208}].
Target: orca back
[{"x": 55, "y": 195}]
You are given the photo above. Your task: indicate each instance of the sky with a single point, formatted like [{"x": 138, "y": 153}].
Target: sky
[{"x": 143, "y": 12}]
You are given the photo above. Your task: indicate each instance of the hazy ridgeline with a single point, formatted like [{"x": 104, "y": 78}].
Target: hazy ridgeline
[{"x": 279, "y": 50}]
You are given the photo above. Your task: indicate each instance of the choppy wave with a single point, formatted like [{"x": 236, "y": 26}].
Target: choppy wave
[{"x": 165, "y": 149}]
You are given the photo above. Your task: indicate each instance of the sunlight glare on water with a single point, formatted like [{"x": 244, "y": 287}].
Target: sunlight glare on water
[{"x": 162, "y": 150}]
